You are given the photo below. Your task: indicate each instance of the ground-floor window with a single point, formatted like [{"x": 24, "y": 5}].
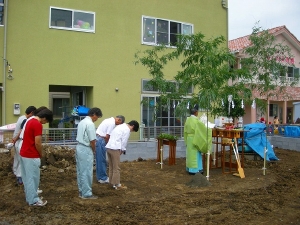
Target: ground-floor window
[
  {"x": 161, "y": 119},
  {"x": 273, "y": 110}
]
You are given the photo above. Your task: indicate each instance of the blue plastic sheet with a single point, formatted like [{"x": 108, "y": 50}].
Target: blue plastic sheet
[
  {"x": 291, "y": 131},
  {"x": 255, "y": 137}
]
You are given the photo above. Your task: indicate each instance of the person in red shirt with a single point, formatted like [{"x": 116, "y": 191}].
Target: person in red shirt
[{"x": 31, "y": 154}]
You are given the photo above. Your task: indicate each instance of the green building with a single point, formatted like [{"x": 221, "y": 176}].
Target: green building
[{"x": 61, "y": 54}]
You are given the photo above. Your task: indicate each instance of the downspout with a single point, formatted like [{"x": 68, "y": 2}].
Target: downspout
[
  {"x": 224, "y": 5},
  {"x": 4, "y": 65}
]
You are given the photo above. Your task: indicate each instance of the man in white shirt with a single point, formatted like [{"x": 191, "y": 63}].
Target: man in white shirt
[
  {"x": 16, "y": 140},
  {"x": 103, "y": 133},
  {"x": 115, "y": 147}
]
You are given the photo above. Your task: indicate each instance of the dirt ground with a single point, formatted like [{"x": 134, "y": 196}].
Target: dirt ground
[{"x": 158, "y": 196}]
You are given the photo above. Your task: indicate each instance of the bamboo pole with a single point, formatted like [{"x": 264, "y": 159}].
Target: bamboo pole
[
  {"x": 208, "y": 150},
  {"x": 207, "y": 163},
  {"x": 161, "y": 156},
  {"x": 215, "y": 153},
  {"x": 265, "y": 156}
]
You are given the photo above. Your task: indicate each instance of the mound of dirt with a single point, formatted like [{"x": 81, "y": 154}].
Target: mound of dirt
[{"x": 198, "y": 180}]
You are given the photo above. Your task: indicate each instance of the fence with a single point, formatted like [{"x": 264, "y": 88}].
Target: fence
[{"x": 67, "y": 136}]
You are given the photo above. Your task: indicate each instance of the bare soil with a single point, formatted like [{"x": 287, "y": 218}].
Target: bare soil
[{"x": 158, "y": 196}]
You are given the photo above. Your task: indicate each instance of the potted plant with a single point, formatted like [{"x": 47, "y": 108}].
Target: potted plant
[{"x": 167, "y": 139}]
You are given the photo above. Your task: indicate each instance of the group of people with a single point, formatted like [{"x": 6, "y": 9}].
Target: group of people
[
  {"x": 109, "y": 139},
  {"x": 275, "y": 121}
]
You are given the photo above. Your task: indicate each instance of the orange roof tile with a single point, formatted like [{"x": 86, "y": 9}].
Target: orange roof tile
[{"x": 243, "y": 42}]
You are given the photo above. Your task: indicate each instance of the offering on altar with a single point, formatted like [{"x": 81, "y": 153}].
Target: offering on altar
[
  {"x": 204, "y": 120},
  {"x": 229, "y": 126}
]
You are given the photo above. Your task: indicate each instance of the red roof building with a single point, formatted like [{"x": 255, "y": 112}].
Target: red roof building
[{"x": 280, "y": 107}]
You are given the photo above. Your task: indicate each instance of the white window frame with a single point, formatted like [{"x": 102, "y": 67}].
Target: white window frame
[
  {"x": 157, "y": 91},
  {"x": 160, "y": 117},
  {"x": 275, "y": 110},
  {"x": 291, "y": 74},
  {"x": 147, "y": 91},
  {"x": 2, "y": 5},
  {"x": 143, "y": 30},
  {"x": 295, "y": 71},
  {"x": 73, "y": 26},
  {"x": 58, "y": 95}
]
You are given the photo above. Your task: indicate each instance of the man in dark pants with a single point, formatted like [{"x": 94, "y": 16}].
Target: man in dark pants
[{"x": 103, "y": 134}]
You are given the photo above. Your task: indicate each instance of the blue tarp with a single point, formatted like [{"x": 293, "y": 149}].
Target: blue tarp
[
  {"x": 255, "y": 137},
  {"x": 291, "y": 131}
]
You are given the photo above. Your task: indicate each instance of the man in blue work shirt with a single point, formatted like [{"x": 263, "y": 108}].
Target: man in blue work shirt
[{"x": 85, "y": 150}]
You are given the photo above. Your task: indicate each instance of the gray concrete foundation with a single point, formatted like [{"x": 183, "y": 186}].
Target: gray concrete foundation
[{"x": 148, "y": 150}]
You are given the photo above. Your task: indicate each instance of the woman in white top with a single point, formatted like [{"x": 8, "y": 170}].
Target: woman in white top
[{"x": 115, "y": 147}]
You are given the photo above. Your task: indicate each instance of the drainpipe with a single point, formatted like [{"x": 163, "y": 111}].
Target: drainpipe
[
  {"x": 4, "y": 65},
  {"x": 224, "y": 5}
]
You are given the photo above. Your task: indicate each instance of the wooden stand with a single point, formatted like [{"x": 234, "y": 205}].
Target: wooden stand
[
  {"x": 228, "y": 166},
  {"x": 172, "y": 150}
]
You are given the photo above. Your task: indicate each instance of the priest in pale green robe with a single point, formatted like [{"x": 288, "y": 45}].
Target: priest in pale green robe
[{"x": 195, "y": 137}]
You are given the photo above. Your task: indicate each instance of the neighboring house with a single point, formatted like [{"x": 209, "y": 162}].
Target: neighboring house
[
  {"x": 66, "y": 53},
  {"x": 284, "y": 109}
]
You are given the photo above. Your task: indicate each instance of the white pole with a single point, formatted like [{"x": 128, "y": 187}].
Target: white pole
[
  {"x": 161, "y": 156},
  {"x": 265, "y": 156},
  {"x": 207, "y": 163},
  {"x": 265, "y": 151},
  {"x": 215, "y": 153}
]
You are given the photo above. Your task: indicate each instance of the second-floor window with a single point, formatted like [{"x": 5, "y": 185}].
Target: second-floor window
[
  {"x": 69, "y": 19},
  {"x": 173, "y": 86},
  {"x": 1, "y": 11},
  {"x": 161, "y": 31},
  {"x": 290, "y": 74},
  {"x": 293, "y": 72}
]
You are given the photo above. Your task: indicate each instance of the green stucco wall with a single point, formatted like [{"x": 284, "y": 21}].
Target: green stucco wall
[{"x": 40, "y": 56}]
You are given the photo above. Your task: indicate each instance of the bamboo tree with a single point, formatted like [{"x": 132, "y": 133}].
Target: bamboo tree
[{"x": 205, "y": 66}]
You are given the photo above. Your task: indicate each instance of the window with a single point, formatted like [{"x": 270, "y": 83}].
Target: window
[
  {"x": 292, "y": 73},
  {"x": 60, "y": 104},
  {"x": 161, "y": 31},
  {"x": 153, "y": 116},
  {"x": 68, "y": 19},
  {"x": 61, "y": 107},
  {"x": 273, "y": 110},
  {"x": 172, "y": 87},
  {"x": 147, "y": 87},
  {"x": 1, "y": 11},
  {"x": 288, "y": 73}
]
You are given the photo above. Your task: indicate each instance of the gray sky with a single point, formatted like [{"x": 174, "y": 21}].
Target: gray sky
[{"x": 243, "y": 14}]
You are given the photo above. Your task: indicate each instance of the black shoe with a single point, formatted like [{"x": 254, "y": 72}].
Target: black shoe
[
  {"x": 19, "y": 181},
  {"x": 191, "y": 173}
]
